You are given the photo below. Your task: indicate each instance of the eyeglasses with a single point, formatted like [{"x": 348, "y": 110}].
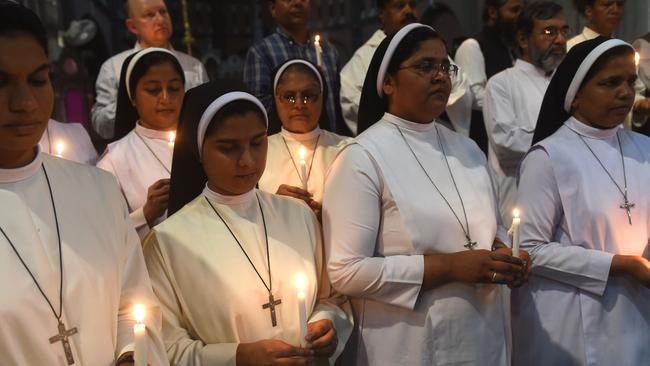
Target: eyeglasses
[
  {"x": 431, "y": 68},
  {"x": 553, "y": 32},
  {"x": 304, "y": 97}
]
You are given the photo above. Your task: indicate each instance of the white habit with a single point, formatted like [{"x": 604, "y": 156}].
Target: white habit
[
  {"x": 381, "y": 215},
  {"x": 211, "y": 295},
  {"x": 74, "y": 137},
  {"x": 512, "y": 102},
  {"x": 104, "y": 273},
  {"x": 572, "y": 312},
  {"x": 108, "y": 82},
  {"x": 138, "y": 160},
  {"x": 353, "y": 74},
  {"x": 281, "y": 170}
]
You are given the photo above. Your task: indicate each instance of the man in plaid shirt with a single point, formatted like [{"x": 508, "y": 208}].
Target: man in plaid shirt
[{"x": 292, "y": 39}]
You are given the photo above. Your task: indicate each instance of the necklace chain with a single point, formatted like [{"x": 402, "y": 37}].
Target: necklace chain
[
  {"x": 152, "y": 153},
  {"x": 311, "y": 163}
]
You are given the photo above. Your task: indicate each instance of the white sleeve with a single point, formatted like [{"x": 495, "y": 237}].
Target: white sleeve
[
  {"x": 470, "y": 58},
  {"x": 352, "y": 215},
  {"x": 508, "y": 139},
  {"x": 352, "y": 78},
  {"x": 539, "y": 199},
  {"x": 459, "y": 105},
  {"x": 103, "y": 111}
]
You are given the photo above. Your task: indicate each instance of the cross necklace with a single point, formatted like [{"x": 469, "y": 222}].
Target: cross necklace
[
  {"x": 626, "y": 205},
  {"x": 272, "y": 301},
  {"x": 63, "y": 333},
  {"x": 469, "y": 244}
]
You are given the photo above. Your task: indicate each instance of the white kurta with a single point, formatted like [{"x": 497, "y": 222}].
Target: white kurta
[
  {"x": 572, "y": 312},
  {"x": 210, "y": 294},
  {"x": 108, "y": 82},
  {"x": 104, "y": 271},
  {"x": 353, "y": 75},
  {"x": 281, "y": 170},
  {"x": 470, "y": 57},
  {"x": 587, "y": 34},
  {"x": 381, "y": 215},
  {"x": 138, "y": 160},
  {"x": 75, "y": 139},
  {"x": 512, "y": 102}
]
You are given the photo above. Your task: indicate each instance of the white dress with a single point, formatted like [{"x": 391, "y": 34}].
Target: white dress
[
  {"x": 512, "y": 102},
  {"x": 572, "y": 312},
  {"x": 280, "y": 169},
  {"x": 211, "y": 295},
  {"x": 104, "y": 273},
  {"x": 138, "y": 160},
  {"x": 74, "y": 139},
  {"x": 381, "y": 215}
]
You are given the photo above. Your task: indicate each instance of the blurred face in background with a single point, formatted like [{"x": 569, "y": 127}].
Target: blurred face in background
[
  {"x": 149, "y": 20},
  {"x": 395, "y": 14}
]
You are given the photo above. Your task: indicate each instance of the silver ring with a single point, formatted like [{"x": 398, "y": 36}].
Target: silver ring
[{"x": 494, "y": 276}]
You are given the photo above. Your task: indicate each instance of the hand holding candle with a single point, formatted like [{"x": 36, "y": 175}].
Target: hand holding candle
[
  {"x": 515, "y": 233},
  {"x": 303, "y": 168},
  {"x": 301, "y": 283},
  {"x": 319, "y": 51},
  {"x": 140, "y": 336}
]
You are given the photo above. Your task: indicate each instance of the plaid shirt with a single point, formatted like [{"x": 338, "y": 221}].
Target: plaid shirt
[{"x": 269, "y": 53}]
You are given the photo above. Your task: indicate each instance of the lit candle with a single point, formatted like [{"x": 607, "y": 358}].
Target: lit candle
[
  {"x": 140, "y": 335},
  {"x": 515, "y": 232},
  {"x": 319, "y": 51},
  {"x": 637, "y": 60},
  {"x": 172, "y": 139},
  {"x": 60, "y": 146},
  {"x": 301, "y": 282},
  {"x": 303, "y": 167}
]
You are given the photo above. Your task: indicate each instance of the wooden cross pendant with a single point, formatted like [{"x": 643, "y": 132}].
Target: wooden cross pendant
[
  {"x": 628, "y": 206},
  {"x": 63, "y": 338},
  {"x": 271, "y": 306},
  {"x": 470, "y": 244}
]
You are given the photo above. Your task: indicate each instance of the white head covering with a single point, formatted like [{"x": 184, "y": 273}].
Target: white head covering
[
  {"x": 293, "y": 62},
  {"x": 134, "y": 61},
  {"x": 216, "y": 106}
]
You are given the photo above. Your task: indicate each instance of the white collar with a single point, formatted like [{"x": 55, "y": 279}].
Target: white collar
[
  {"x": 137, "y": 47},
  {"x": 301, "y": 137},
  {"x": 152, "y": 134},
  {"x": 236, "y": 200},
  {"x": 376, "y": 38},
  {"x": 413, "y": 126},
  {"x": 24, "y": 172},
  {"x": 528, "y": 68},
  {"x": 591, "y": 132},
  {"x": 589, "y": 33}
]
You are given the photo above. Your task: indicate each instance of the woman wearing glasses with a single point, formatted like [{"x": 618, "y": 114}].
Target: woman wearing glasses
[
  {"x": 410, "y": 218},
  {"x": 300, "y": 154}
]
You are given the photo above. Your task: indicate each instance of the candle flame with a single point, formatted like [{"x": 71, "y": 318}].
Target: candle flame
[
  {"x": 138, "y": 312},
  {"x": 172, "y": 137},
  {"x": 301, "y": 283},
  {"x": 637, "y": 59},
  {"x": 60, "y": 146},
  {"x": 515, "y": 213},
  {"x": 317, "y": 40},
  {"x": 302, "y": 153}
]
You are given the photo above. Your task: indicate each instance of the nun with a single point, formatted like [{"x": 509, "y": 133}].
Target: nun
[
  {"x": 411, "y": 222},
  {"x": 234, "y": 268},
  {"x": 586, "y": 219},
  {"x": 300, "y": 154},
  {"x": 149, "y": 104}
]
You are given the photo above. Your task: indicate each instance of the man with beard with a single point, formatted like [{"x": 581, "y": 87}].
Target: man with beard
[
  {"x": 603, "y": 18},
  {"x": 393, "y": 15},
  {"x": 150, "y": 22},
  {"x": 514, "y": 96},
  {"x": 292, "y": 39},
  {"x": 490, "y": 52}
]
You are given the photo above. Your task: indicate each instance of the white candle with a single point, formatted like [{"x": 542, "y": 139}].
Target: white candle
[
  {"x": 637, "y": 61},
  {"x": 172, "y": 139},
  {"x": 302, "y": 309},
  {"x": 515, "y": 233},
  {"x": 319, "y": 51},
  {"x": 140, "y": 335},
  {"x": 303, "y": 167},
  {"x": 60, "y": 146}
]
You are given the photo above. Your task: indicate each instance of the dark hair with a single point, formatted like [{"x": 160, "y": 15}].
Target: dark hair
[
  {"x": 538, "y": 10},
  {"x": 581, "y": 5},
  {"x": 604, "y": 59},
  {"x": 382, "y": 3},
  {"x": 371, "y": 106},
  {"x": 236, "y": 108},
  {"x": 125, "y": 113},
  {"x": 491, "y": 4},
  {"x": 16, "y": 20},
  {"x": 274, "y": 119}
]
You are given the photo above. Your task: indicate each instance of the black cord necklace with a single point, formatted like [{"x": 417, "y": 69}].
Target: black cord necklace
[
  {"x": 64, "y": 333},
  {"x": 272, "y": 301}
]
